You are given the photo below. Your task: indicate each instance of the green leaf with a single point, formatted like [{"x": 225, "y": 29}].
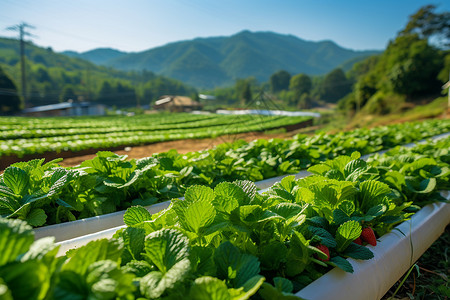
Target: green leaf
[
  {"x": 228, "y": 196},
  {"x": 249, "y": 288},
  {"x": 81, "y": 258},
  {"x": 36, "y": 217},
  {"x": 199, "y": 214},
  {"x": 340, "y": 217},
  {"x": 5, "y": 293},
  {"x": 269, "y": 292},
  {"x": 165, "y": 248},
  {"x": 209, "y": 288},
  {"x": 298, "y": 255},
  {"x": 346, "y": 234},
  {"x": 16, "y": 179},
  {"x": 43, "y": 249},
  {"x": 283, "y": 284},
  {"x": 287, "y": 210},
  {"x": 155, "y": 283},
  {"x": 26, "y": 280},
  {"x": 272, "y": 255},
  {"x": 347, "y": 207},
  {"x": 199, "y": 193},
  {"x": 136, "y": 215},
  {"x": 372, "y": 192},
  {"x": 133, "y": 239},
  {"x": 16, "y": 237},
  {"x": 139, "y": 268},
  {"x": 325, "y": 237},
  {"x": 376, "y": 211},
  {"x": 249, "y": 189},
  {"x": 424, "y": 187},
  {"x": 234, "y": 266},
  {"x": 358, "y": 252},
  {"x": 341, "y": 263}
]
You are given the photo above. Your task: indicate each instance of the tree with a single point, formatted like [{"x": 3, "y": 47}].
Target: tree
[
  {"x": 427, "y": 24},
  {"x": 300, "y": 84},
  {"x": 335, "y": 86},
  {"x": 67, "y": 94},
  {"x": 412, "y": 66},
  {"x": 106, "y": 93},
  {"x": 279, "y": 81},
  {"x": 244, "y": 90},
  {"x": 9, "y": 99}
]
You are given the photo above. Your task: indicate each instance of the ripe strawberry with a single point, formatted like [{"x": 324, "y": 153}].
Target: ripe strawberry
[
  {"x": 358, "y": 241},
  {"x": 368, "y": 236},
  {"x": 325, "y": 250}
]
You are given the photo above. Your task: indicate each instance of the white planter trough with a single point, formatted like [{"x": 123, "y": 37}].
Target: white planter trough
[
  {"x": 71, "y": 230},
  {"x": 394, "y": 254}
]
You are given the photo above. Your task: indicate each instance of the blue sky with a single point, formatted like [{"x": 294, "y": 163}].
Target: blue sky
[{"x": 136, "y": 25}]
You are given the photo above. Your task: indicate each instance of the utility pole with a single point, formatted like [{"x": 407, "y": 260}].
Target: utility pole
[{"x": 22, "y": 33}]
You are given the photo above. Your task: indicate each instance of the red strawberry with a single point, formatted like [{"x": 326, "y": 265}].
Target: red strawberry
[
  {"x": 368, "y": 236},
  {"x": 325, "y": 250},
  {"x": 358, "y": 241}
]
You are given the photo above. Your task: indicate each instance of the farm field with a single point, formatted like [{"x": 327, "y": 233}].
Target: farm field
[
  {"x": 225, "y": 237},
  {"x": 21, "y": 136}
]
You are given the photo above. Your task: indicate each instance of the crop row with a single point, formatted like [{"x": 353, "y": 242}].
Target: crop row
[
  {"x": 24, "y": 132},
  {"x": 20, "y": 147},
  {"x": 44, "y": 194},
  {"x": 231, "y": 242}
]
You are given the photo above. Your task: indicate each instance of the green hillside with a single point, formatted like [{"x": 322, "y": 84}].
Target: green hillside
[
  {"x": 219, "y": 61},
  {"x": 53, "y": 77},
  {"x": 97, "y": 56}
]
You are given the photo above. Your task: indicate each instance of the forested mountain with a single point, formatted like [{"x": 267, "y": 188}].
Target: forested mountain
[
  {"x": 219, "y": 61},
  {"x": 98, "y": 56},
  {"x": 52, "y": 77}
]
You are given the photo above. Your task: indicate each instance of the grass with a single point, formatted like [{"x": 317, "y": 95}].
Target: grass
[{"x": 430, "y": 280}]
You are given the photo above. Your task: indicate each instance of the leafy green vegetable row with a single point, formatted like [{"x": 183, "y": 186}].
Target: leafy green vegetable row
[
  {"x": 79, "y": 141},
  {"x": 44, "y": 194},
  {"x": 231, "y": 242}
]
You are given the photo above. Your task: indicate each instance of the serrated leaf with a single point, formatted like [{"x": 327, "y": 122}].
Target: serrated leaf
[
  {"x": 36, "y": 217},
  {"x": 346, "y": 234},
  {"x": 16, "y": 237},
  {"x": 372, "y": 192},
  {"x": 341, "y": 263},
  {"x": 326, "y": 237},
  {"x": 16, "y": 180},
  {"x": 133, "y": 239},
  {"x": 249, "y": 288},
  {"x": 269, "y": 292},
  {"x": 209, "y": 288},
  {"x": 81, "y": 258},
  {"x": 340, "y": 217},
  {"x": 155, "y": 283},
  {"x": 199, "y": 193},
  {"x": 166, "y": 247},
  {"x": 136, "y": 215},
  {"x": 358, "y": 252},
  {"x": 424, "y": 187},
  {"x": 199, "y": 214},
  {"x": 283, "y": 284},
  {"x": 33, "y": 272},
  {"x": 228, "y": 196},
  {"x": 248, "y": 187},
  {"x": 234, "y": 266},
  {"x": 376, "y": 211},
  {"x": 347, "y": 207}
]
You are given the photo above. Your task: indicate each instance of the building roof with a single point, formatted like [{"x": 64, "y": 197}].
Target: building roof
[
  {"x": 177, "y": 101},
  {"x": 57, "y": 106}
]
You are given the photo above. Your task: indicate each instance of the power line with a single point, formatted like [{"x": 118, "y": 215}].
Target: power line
[{"x": 22, "y": 33}]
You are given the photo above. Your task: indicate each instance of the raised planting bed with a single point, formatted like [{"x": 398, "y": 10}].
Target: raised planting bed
[{"x": 71, "y": 230}]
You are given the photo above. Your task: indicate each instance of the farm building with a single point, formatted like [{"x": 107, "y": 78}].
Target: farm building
[
  {"x": 66, "y": 109},
  {"x": 177, "y": 104}
]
